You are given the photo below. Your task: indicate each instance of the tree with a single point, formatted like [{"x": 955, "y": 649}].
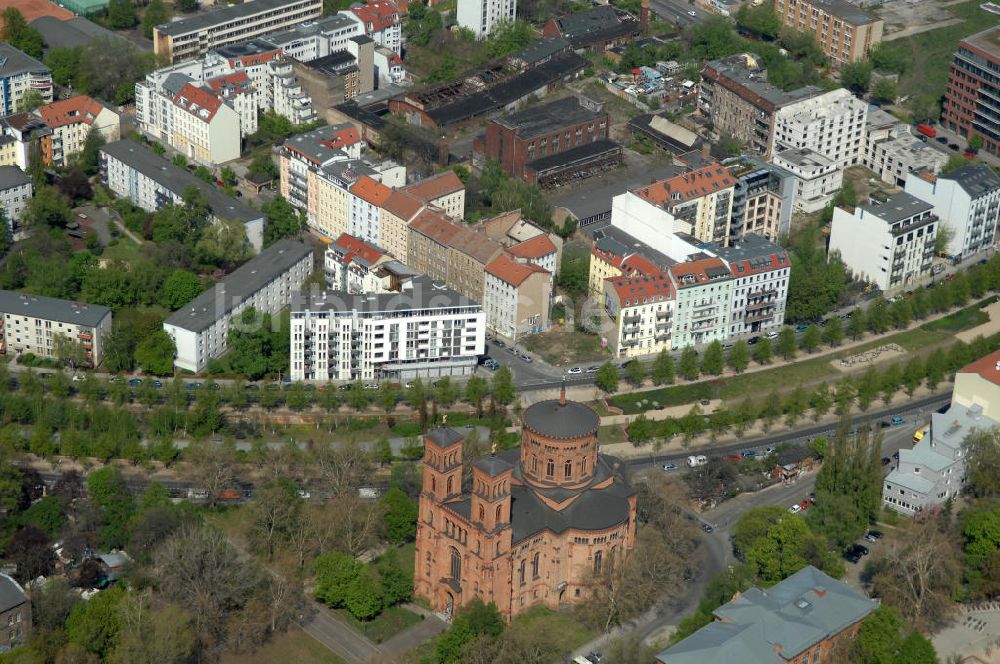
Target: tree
[
  {"x": 121, "y": 14},
  {"x": 635, "y": 371},
  {"x": 224, "y": 243},
  {"x": 945, "y": 234},
  {"x": 29, "y": 101},
  {"x": 975, "y": 143},
  {"x": 109, "y": 68},
  {"x": 640, "y": 429},
  {"x": 472, "y": 620},
  {"x": 179, "y": 288},
  {"x": 335, "y": 572},
  {"x": 884, "y": 91},
  {"x": 396, "y": 583},
  {"x": 28, "y": 549},
  {"x": 154, "y": 636},
  {"x": 833, "y": 332},
  {"x": 503, "y": 386},
  {"x": 663, "y": 368},
  {"x": 157, "y": 13},
  {"x": 687, "y": 367},
  {"x": 263, "y": 165},
  {"x": 982, "y": 463},
  {"x": 107, "y": 488},
  {"x": 785, "y": 546},
  {"x": 762, "y": 351},
  {"x": 275, "y": 511},
  {"x": 476, "y": 390},
  {"x": 282, "y": 220},
  {"x": 856, "y": 76},
  {"x": 400, "y": 516},
  {"x": 786, "y": 343},
  {"x": 856, "y": 324},
  {"x": 713, "y": 360},
  {"x": 64, "y": 63},
  {"x": 155, "y": 354},
  {"x": 48, "y": 207},
  {"x": 94, "y": 625},
  {"x": 51, "y": 603},
  {"x": 18, "y": 34},
  {"x": 363, "y": 598},
  {"x": 607, "y": 377},
  {"x": 811, "y": 338}
]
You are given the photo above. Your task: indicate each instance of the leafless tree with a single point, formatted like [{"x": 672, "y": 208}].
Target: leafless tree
[
  {"x": 212, "y": 468},
  {"x": 342, "y": 467},
  {"x": 275, "y": 512}
]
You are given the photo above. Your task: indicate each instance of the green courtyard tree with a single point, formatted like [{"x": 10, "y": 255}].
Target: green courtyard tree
[
  {"x": 400, "y": 515},
  {"x": 811, "y": 339},
  {"x": 635, "y": 372},
  {"x": 687, "y": 367},
  {"x": 762, "y": 351},
  {"x": 739, "y": 356},
  {"x": 833, "y": 332},
  {"x": 121, "y": 14},
  {"x": 155, "y": 354},
  {"x": 786, "y": 343},
  {"x": 713, "y": 360},
  {"x": 156, "y": 13},
  {"x": 179, "y": 288},
  {"x": 607, "y": 377},
  {"x": 663, "y": 368},
  {"x": 503, "y": 386},
  {"x": 857, "y": 324}
]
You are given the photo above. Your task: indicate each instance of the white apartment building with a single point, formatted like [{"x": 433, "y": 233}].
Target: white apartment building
[
  {"x": 20, "y": 74},
  {"x": 317, "y": 39},
  {"x": 200, "y": 329},
  {"x": 351, "y": 265},
  {"x": 934, "y": 470},
  {"x": 284, "y": 93},
  {"x": 641, "y": 308},
  {"x": 15, "y": 192},
  {"x": 424, "y": 331},
  {"x": 967, "y": 202},
  {"x": 150, "y": 181},
  {"x": 831, "y": 124},
  {"x": 702, "y": 312},
  {"x": 483, "y": 16},
  {"x": 190, "y": 37},
  {"x": 382, "y": 20},
  {"x": 893, "y": 152},
  {"x": 760, "y": 271},
  {"x": 817, "y": 179},
  {"x": 888, "y": 244},
  {"x": 33, "y": 323},
  {"x": 71, "y": 120},
  {"x": 516, "y": 297}
]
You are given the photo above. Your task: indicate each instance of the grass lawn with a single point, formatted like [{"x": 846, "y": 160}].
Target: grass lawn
[
  {"x": 384, "y": 626},
  {"x": 930, "y": 53},
  {"x": 570, "y": 633},
  {"x": 611, "y": 434},
  {"x": 963, "y": 319},
  {"x": 18, "y": 656},
  {"x": 566, "y": 347},
  {"x": 123, "y": 250},
  {"x": 292, "y": 646}
]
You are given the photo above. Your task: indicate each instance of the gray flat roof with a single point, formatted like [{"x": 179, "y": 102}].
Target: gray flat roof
[
  {"x": 897, "y": 207},
  {"x": 748, "y": 247},
  {"x": 75, "y": 32},
  {"x": 546, "y": 118},
  {"x": 12, "y": 176},
  {"x": 50, "y": 308},
  {"x": 215, "y": 17},
  {"x": 200, "y": 313},
  {"x": 177, "y": 179},
  {"x": 594, "y": 197},
  {"x": 11, "y": 593},
  {"x": 975, "y": 180},
  {"x": 424, "y": 294},
  {"x": 326, "y": 24},
  {"x": 13, "y": 62},
  {"x": 845, "y": 10}
]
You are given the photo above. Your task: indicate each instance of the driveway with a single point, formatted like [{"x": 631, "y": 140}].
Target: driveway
[{"x": 339, "y": 637}]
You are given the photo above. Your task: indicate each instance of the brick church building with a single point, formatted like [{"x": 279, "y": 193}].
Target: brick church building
[{"x": 535, "y": 523}]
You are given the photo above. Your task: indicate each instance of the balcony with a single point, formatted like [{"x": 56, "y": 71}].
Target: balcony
[
  {"x": 631, "y": 320},
  {"x": 703, "y": 315},
  {"x": 763, "y": 315},
  {"x": 756, "y": 306},
  {"x": 662, "y": 337}
]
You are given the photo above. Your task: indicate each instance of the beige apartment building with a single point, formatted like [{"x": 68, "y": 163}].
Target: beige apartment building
[
  {"x": 844, "y": 31},
  {"x": 33, "y": 324},
  {"x": 399, "y": 209}
]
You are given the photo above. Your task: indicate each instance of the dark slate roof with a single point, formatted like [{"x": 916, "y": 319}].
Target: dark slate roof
[
  {"x": 493, "y": 465},
  {"x": 975, "y": 180},
  {"x": 12, "y": 176},
  {"x": 581, "y": 154},
  {"x": 509, "y": 91},
  {"x": 600, "y": 24},
  {"x": 547, "y": 118},
  {"x": 14, "y": 62},
  {"x": 75, "y": 32},
  {"x": 555, "y": 420},
  {"x": 444, "y": 436},
  {"x": 214, "y": 17},
  {"x": 11, "y": 593},
  {"x": 50, "y": 308},
  {"x": 541, "y": 49}
]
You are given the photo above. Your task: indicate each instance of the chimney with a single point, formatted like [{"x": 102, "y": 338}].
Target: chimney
[
  {"x": 820, "y": 591},
  {"x": 777, "y": 648},
  {"x": 442, "y": 152},
  {"x": 644, "y": 17}
]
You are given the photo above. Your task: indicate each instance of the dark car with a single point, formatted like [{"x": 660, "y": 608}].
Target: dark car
[
  {"x": 873, "y": 535},
  {"x": 157, "y": 384},
  {"x": 855, "y": 553},
  {"x": 941, "y": 139},
  {"x": 953, "y": 146},
  {"x": 886, "y": 461},
  {"x": 752, "y": 340},
  {"x": 707, "y": 528},
  {"x": 852, "y": 557},
  {"x": 746, "y": 454},
  {"x": 134, "y": 382}
]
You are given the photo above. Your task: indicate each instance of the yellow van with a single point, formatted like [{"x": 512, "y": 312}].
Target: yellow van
[{"x": 920, "y": 433}]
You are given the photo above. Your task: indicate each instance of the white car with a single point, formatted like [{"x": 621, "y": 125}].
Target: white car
[
  {"x": 574, "y": 371},
  {"x": 692, "y": 12},
  {"x": 772, "y": 335},
  {"x": 695, "y": 461},
  {"x": 304, "y": 495},
  {"x": 795, "y": 509}
]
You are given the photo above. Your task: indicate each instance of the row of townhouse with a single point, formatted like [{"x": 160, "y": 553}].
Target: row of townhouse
[
  {"x": 34, "y": 324},
  {"x": 54, "y": 133},
  {"x": 134, "y": 171},
  {"x": 295, "y": 23},
  {"x": 265, "y": 283},
  {"x": 891, "y": 242},
  {"x": 703, "y": 293}
]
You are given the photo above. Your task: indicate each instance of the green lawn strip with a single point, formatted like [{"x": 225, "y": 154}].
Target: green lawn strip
[
  {"x": 291, "y": 646},
  {"x": 610, "y": 434},
  {"x": 569, "y": 634},
  {"x": 384, "y": 626},
  {"x": 963, "y": 319}
]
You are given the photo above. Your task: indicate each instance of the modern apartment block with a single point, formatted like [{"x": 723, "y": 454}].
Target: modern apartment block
[
  {"x": 34, "y": 324},
  {"x": 972, "y": 96},
  {"x": 20, "y": 74},
  {"x": 150, "y": 181},
  {"x": 736, "y": 96},
  {"x": 817, "y": 179},
  {"x": 71, "y": 120},
  {"x": 190, "y": 37},
  {"x": 426, "y": 330},
  {"x": 483, "y": 16},
  {"x": 340, "y": 76},
  {"x": 200, "y": 329},
  {"x": 763, "y": 199},
  {"x": 845, "y": 32},
  {"x": 967, "y": 202},
  {"x": 893, "y": 152},
  {"x": 807, "y": 618},
  {"x": 889, "y": 244},
  {"x": 382, "y": 21},
  {"x": 934, "y": 470},
  {"x": 15, "y": 192},
  {"x": 831, "y": 124}
]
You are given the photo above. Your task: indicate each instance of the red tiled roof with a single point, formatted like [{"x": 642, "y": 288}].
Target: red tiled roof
[
  {"x": 639, "y": 264},
  {"x": 476, "y": 245},
  {"x": 536, "y": 247},
  {"x": 70, "y": 111},
  {"x": 380, "y": 13},
  {"x": 697, "y": 272},
  {"x": 613, "y": 259},
  {"x": 35, "y": 9},
  {"x": 403, "y": 204},
  {"x": 342, "y": 138},
  {"x": 371, "y": 190},
  {"x": 632, "y": 290},
  {"x": 687, "y": 187},
  {"x": 988, "y": 367},
  {"x": 224, "y": 85},
  {"x": 506, "y": 269},
  {"x": 436, "y": 186},
  {"x": 353, "y": 247},
  {"x": 434, "y": 224},
  {"x": 745, "y": 267},
  {"x": 194, "y": 100},
  {"x": 256, "y": 58}
]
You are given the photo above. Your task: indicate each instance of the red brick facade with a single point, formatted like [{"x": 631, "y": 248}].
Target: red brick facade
[{"x": 532, "y": 526}]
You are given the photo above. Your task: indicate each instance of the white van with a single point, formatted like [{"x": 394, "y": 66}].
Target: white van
[{"x": 695, "y": 461}]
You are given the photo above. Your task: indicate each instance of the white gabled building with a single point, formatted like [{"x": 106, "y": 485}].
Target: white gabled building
[
  {"x": 424, "y": 331},
  {"x": 831, "y": 124},
  {"x": 889, "y": 244},
  {"x": 200, "y": 329},
  {"x": 71, "y": 121},
  {"x": 968, "y": 203}
]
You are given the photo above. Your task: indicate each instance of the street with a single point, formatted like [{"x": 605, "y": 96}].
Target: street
[{"x": 678, "y": 11}]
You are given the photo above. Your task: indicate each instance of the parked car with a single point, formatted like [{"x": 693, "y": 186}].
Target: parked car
[
  {"x": 896, "y": 421},
  {"x": 499, "y": 343},
  {"x": 699, "y": 460},
  {"x": 526, "y": 357},
  {"x": 795, "y": 509},
  {"x": 800, "y": 328},
  {"x": 707, "y": 528},
  {"x": 669, "y": 466},
  {"x": 574, "y": 371},
  {"x": 805, "y": 504},
  {"x": 747, "y": 454},
  {"x": 157, "y": 384},
  {"x": 752, "y": 340},
  {"x": 303, "y": 494},
  {"x": 886, "y": 461},
  {"x": 134, "y": 382},
  {"x": 772, "y": 335},
  {"x": 593, "y": 369}
]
